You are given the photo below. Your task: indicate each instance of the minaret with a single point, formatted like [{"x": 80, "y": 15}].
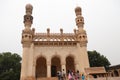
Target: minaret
[
  {"x": 27, "y": 38},
  {"x": 81, "y": 37},
  {"x": 81, "y": 33},
  {"x": 27, "y": 33}
]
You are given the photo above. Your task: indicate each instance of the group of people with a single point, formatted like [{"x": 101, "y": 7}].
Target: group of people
[{"x": 71, "y": 75}]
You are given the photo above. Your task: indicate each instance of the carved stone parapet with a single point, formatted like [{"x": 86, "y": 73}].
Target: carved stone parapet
[{"x": 55, "y": 43}]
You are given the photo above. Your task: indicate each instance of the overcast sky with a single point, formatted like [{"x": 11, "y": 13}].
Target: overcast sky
[{"x": 102, "y": 23}]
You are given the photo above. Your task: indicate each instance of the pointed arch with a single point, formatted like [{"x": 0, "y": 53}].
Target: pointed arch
[
  {"x": 116, "y": 73},
  {"x": 41, "y": 67},
  {"x": 70, "y": 63},
  {"x": 55, "y": 65}
]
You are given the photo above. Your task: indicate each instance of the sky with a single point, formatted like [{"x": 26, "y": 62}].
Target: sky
[{"x": 102, "y": 23}]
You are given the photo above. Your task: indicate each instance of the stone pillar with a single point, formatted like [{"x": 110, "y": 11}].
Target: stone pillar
[
  {"x": 97, "y": 76},
  {"x": 109, "y": 74},
  {"x": 113, "y": 73},
  {"x": 48, "y": 69},
  {"x": 118, "y": 72},
  {"x": 103, "y": 75}
]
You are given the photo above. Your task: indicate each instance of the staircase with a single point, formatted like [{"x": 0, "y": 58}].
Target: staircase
[{"x": 51, "y": 78}]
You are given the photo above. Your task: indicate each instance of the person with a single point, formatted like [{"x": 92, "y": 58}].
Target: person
[
  {"x": 59, "y": 76},
  {"x": 77, "y": 75},
  {"x": 83, "y": 77},
  {"x": 69, "y": 76},
  {"x": 73, "y": 75},
  {"x": 64, "y": 74}
]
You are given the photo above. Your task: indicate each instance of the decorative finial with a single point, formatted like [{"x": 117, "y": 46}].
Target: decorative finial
[
  {"x": 78, "y": 11},
  {"x": 75, "y": 31},
  {"x": 29, "y": 9},
  {"x": 61, "y": 30},
  {"x": 48, "y": 30},
  {"x": 33, "y": 29}
]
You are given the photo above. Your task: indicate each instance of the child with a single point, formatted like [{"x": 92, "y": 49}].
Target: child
[{"x": 83, "y": 77}]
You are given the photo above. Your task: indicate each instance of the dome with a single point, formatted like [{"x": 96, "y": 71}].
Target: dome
[
  {"x": 29, "y": 6},
  {"x": 78, "y": 9}
]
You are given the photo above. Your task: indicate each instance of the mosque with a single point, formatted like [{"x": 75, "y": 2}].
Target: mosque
[{"x": 46, "y": 53}]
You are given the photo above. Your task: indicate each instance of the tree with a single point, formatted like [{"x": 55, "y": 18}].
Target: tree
[
  {"x": 10, "y": 65},
  {"x": 97, "y": 60}
]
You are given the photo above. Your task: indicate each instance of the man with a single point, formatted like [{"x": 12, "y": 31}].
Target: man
[{"x": 63, "y": 74}]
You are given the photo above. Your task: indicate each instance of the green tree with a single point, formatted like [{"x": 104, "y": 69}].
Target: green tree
[
  {"x": 97, "y": 60},
  {"x": 10, "y": 65}
]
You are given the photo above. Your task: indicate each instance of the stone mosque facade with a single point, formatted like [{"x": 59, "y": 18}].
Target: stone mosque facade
[{"x": 46, "y": 53}]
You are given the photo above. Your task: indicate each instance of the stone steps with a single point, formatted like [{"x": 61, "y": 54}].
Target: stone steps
[
  {"x": 51, "y": 78},
  {"x": 109, "y": 78}
]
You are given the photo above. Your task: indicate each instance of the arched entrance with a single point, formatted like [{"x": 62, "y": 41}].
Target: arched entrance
[
  {"x": 41, "y": 67},
  {"x": 70, "y": 64},
  {"x": 116, "y": 73},
  {"x": 55, "y": 66}
]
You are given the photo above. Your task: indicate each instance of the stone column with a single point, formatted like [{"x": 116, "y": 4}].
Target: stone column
[
  {"x": 110, "y": 73},
  {"x": 113, "y": 73},
  {"x": 118, "y": 72},
  {"x": 48, "y": 69}
]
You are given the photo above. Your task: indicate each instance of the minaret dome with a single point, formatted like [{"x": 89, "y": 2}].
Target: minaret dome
[
  {"x": 78, "y": 11},
  {"x": 29, "y": 9}
]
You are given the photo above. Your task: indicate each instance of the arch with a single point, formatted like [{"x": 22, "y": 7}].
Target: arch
[
  {"x": 55, "y": 65},
  {"x": 41, "y": 67},
  {"x": 38, "y": 56},
  {"x": 70, "y": 63},
  {"x": 40, "y": 39},
  {"x": 116, "y": 73}
]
